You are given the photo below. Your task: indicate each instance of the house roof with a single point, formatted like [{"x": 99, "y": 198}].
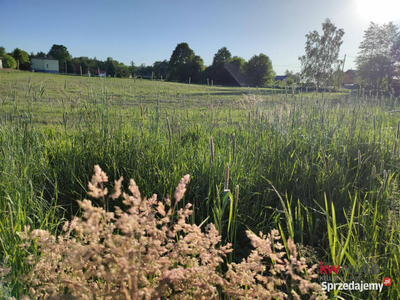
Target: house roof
[
  {"x": 45, "y": 58},
  {"x": 281, "y": 77}
]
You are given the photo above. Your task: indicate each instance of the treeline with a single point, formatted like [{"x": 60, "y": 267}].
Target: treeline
[
  {"x": 20, "y": 59},
  {"x": 378, "y": 60},
  {"x": 378, "y": 63},
  {"x": 183, "y": 66}
]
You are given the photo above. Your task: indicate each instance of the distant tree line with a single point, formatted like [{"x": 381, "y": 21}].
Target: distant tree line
[
  {"x": 378, "y": 63},
  {"x": 225, "y": 69},
  {"x": 16, "y": 59},
  {"x": 378, "y": 60},
  {"x": 184, "y": 65}
]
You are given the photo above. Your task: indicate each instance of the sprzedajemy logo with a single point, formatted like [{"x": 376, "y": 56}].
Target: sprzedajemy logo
[{"x": 356, "y": 286}]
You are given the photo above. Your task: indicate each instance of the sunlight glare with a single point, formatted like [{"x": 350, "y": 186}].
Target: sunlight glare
[{"x": 382, "y": 11}]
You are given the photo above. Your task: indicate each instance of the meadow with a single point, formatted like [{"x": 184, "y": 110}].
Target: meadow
[{"x": 322, "y": 168}]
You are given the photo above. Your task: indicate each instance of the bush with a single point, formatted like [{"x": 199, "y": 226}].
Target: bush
[
  {"x": 26, "y": 66},
  {"x": 9, "y": 62},
  {"x": 150, "y": 252}
]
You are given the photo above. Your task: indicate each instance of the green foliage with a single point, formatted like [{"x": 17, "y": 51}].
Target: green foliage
[
  {"x": 8, "y": 61},
  {"x": 2, "y": 51},
  {"x": 337, "y": 78},
  {"x": 61, "y": 53},
  {"x": 70, "y": 66},
  {"x": 21, "y": 56},
  {"x": 122, "y": 70},
  {"x": 222, "y": 56},
  {"x": 322, "y": 53},
  {"x": 219, "y": 73},
  {"x": 144, "y": 71},
  {"x": 184, "y": 64},
  {"x": 180, "y": 57},
  {"x": 396, "y": 58},
  {"x": 294, "y": 76},
  {"x": 40, "y": 54},
  {"x": 259, "y": 70},
  {"x": 80, "y": 63},
  {"x": 132, "y": 69},
  {"x": 289, "y": 81},
  {"x": 378, "y": 57},
  {"x": 111, "y": 67},
  {"x": 192, "y": 69},
  {"x": 235, "y": 67},
  {"x": 160, "y": 69}
]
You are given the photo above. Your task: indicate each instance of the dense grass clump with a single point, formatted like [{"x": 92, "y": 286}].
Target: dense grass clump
[{"x": 322, "y": 168}]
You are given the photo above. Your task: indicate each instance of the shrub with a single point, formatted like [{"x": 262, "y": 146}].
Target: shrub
[
  {"x": 8, "y": 62},
  {"x": 150, "y": 252}
]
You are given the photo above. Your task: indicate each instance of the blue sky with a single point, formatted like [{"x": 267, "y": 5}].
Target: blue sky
[{"x": 147, "y": 31}]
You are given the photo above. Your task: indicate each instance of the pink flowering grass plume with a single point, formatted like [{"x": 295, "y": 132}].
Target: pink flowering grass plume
[
  {"x": 96, "y": 185},
  {"x": 146, "y": 250},
  {"x": 134, "y": 253},
  {"x": 266, "y": 274}
]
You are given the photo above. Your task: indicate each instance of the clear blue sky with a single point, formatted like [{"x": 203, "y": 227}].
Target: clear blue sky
[{"x": 146, "y": 31}]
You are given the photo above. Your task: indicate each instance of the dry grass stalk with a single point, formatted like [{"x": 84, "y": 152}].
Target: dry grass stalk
[
  {"x": 226, "y": 182},
  {"x": 233, "y": 148},
  {"x": 148, "y": 251},
  {"x": 211, "y": 150}
]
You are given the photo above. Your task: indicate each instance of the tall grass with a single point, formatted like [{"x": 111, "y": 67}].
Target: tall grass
[{"x": 323, "y": 170}]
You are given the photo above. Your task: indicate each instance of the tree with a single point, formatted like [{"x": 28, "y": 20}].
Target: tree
[
  {"x": 160, "y": 68},
  {"x": 235, "y": 67},
  {"x": 70, "y": 67},
  {"x": 396, "y": 58},
  {"x": 289, "y": 81},
  {"x": 84, "y": 64},
  {"x": 40, "y": 54},
  {"x": 222, "y": 56},
  {"x": 192, "y": 69},
  {"x": 292, "y": 75},
  {"x": 22, "y": 58},
  {"x": 122, "y": 70},
  {"x": 337, "y": 78},
  {"x": 145, "y": 71},
  {"x": 61, "y": 53},
  {"x": 322, "y": 53},
  {"x": 111, "y": 67},
  {"x": 2, "y": 51},
  {"x": 8, "y": 62},
  {"x": 377, "y": 59},
  {"x": 95, "y": 65},
  {"x": 80, "y": 63},
  {"x": 219, "y": 73},
  {"x": 259, "y": 70},
  {"x": 132, "y": 69},
  {"x": 184, "y": 64}
]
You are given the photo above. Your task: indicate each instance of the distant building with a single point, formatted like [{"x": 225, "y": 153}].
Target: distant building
[
  {"x": 103, "y": 73},
  {"x": 281, "y": 78},
  {"x": 45, "y": 65},
  {"x": 349, "y": 77},
  {"x": 1, "y": 63}
]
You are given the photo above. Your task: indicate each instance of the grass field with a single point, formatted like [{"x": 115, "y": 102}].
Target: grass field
[{"x": 322, "y": 168}]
